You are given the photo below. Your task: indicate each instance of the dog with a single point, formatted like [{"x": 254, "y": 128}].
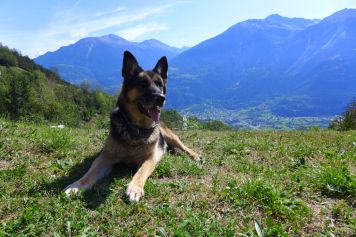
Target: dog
[{"x": 137, "y": 138}]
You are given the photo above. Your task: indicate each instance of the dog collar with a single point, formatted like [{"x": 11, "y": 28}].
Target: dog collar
[{"x": 121, "y": 125}]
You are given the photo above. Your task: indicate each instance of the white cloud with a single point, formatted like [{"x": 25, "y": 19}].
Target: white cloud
[
  {"x": 75, "y": 5},
  {"x": 69, "y": 26},
  {"x": 139, "y": 30},
  {"x": 116, "y": 10},
  {"x": 81, "y": 25}
]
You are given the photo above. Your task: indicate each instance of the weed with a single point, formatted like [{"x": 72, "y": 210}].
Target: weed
[
  {"x": 55, "y": 139},
  {"x": 341, "y": 211},
  {"x": 261, "y": 193},
  {"x": 335, "y": 181},
  {"x": 163, "y": 169}
]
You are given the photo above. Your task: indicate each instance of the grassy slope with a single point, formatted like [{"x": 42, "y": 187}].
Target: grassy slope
[{"x": 291, "y": 183}]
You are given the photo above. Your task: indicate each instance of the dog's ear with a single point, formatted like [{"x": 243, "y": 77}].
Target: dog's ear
[
  {"x": 130, "y": 65},
  {"x": 162, "y": 68}
]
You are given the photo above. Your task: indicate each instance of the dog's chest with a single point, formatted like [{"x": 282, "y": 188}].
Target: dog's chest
[{"x": 128, "y": 154}]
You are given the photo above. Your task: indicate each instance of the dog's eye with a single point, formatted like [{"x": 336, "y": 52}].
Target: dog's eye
[
  {"x": 159, "y": 83},
  {"x": 144, "y": 83}
]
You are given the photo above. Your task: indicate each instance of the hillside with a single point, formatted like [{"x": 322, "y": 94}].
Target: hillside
[
  {"x": 97, "y": 60},
  {"x": 32, "y": 93},
  {"x": 282, "y": 183}
]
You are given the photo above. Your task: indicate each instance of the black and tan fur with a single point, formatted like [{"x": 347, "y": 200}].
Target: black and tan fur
[{"x": 136, "y": 138}]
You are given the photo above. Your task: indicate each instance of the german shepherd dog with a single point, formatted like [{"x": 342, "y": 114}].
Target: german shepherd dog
[{"x": 137, "y": 138}]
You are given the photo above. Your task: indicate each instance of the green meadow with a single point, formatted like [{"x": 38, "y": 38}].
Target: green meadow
[{"x": 253, "y": 183}]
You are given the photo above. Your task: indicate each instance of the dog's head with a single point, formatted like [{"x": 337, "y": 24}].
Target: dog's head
[{"x": 143, "y": 92}]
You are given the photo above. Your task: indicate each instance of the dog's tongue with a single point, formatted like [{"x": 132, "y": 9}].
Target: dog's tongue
[{"x": 155, "y": 114}]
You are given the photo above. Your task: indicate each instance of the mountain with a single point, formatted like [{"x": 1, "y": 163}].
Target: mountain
[
  {"x": 293, "y": 67},
  {"x": 273, "y": 71},
  {"x": 323, "y": 64},
  {"x": 97, "y": 60},
  {"x": 244, "y": 63}
]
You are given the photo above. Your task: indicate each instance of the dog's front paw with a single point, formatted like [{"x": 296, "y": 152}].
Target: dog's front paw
[
  {"x": 134, "y": 192},
  {"x": 73, "y": 189}
]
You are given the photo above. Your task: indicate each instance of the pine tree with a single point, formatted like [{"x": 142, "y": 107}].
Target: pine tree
[{"x": 17, "y": 96}]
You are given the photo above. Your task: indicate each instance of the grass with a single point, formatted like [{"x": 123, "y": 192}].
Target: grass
[{"x": 254, "y": 183}]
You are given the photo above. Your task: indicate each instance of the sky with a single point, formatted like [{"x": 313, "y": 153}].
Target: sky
[{"x": 36, "y": 26}]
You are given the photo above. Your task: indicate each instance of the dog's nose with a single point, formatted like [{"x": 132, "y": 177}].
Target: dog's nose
[{"x": 159, "y": 98}]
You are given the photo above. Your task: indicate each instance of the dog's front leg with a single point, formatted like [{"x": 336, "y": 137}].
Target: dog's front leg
[
  {"x": 174, "y": 142},
  {"x": 134, "y": 190},
  {"x": 101, "y": 166}
]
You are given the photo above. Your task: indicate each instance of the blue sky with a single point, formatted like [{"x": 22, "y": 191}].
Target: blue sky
[{"x": 37, "y": 26}]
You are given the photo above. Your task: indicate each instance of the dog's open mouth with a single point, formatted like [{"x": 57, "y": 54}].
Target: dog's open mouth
[{"x": 153, "y": 113}]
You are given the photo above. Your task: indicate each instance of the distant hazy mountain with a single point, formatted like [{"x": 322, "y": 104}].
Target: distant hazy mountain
[
  {"x": 294, "y": 66},
  {"x": 97, "y": 60},
  {"x": 323, "y": 65}
]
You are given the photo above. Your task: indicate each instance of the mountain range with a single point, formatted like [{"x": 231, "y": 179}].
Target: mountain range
[
  {"x": 257, "y": 71},
  {"x": 97, "y": 60}
]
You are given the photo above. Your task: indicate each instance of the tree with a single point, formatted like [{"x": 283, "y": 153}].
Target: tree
[
  {"x": 7, "y": 58},
  {"x": 18, "y": 96},
  {"x": 350, "y": 116},
  {"x": 347, "y": 121}
]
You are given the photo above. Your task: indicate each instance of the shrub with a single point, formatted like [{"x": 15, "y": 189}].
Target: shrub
[
  {"x": 172, "y": 119},
  {"x": 216, "y": 125},
  {"x": 347, "y": 121},
  {"x": 55, "y": 139},
  {"x": 335, "y": 181}
]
